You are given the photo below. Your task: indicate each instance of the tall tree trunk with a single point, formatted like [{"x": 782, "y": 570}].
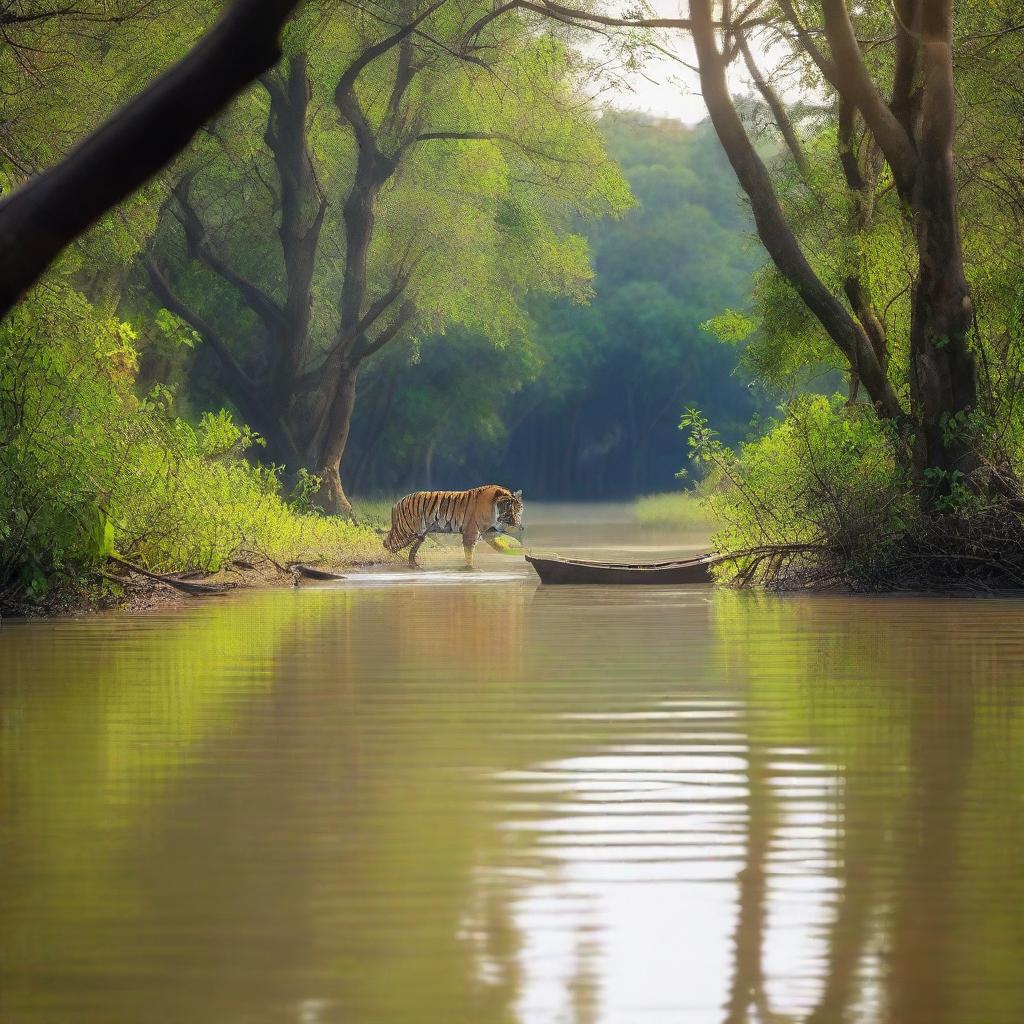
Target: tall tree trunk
[
  {"x": 943, "y": 374},
  {"x": 266, "y": 397},
  {"x": 861, "y": 184},
  {"x": 331, "y": 429},
  {"x": 332, "y": 497},
  {"x": 303, "y": 207}
]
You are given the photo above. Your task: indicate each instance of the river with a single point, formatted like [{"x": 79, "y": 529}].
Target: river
[{"x": 455, "y": 798}]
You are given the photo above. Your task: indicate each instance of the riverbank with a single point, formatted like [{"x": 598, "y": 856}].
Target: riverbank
[
  {"x": 129, "y": 591},
  {"x": 579, "y": 530},
  {"x": 137, "y": 593},
  {"x": 273, "y": 559}
]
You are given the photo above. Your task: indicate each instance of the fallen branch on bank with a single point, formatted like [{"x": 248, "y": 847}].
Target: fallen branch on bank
[
  {"x": 311, "y": 572},
  {"x": 190, "y": 587}
]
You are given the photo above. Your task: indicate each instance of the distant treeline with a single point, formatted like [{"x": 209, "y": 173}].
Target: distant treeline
[{"x": 588, "y": 404}]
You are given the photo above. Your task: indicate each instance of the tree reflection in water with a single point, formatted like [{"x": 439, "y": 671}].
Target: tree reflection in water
[{"x": 481, "y": 803}]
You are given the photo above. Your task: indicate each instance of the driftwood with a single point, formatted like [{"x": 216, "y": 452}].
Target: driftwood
[
  {"x": 121, "y": 581},
  {"x": 185, "y": 586},
  {"x": 312, "y": 573}
]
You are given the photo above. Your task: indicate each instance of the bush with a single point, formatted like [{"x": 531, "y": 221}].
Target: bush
[
  {"x": 88, "y": 469},
  {"x": 821, "y": 495}
]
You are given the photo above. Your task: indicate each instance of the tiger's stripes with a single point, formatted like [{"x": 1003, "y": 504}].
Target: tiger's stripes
[{"x": 480, "y": 512}]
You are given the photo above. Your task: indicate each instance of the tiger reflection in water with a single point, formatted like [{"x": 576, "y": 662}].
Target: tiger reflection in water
[{"x": 481, "y": 512}]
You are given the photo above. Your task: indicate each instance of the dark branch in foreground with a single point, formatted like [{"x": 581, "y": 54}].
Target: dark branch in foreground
[{"x": 43, "y": 216}]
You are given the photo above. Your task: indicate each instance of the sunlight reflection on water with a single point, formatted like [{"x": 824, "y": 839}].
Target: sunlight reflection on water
[{"x": 406, "y": 798}]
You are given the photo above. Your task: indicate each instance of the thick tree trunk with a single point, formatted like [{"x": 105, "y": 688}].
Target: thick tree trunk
[
  {"x": 332, "y": 497},
  {"x": 360, "y": 214},
  {"x": 302, "y": 215},
  {"x": 267, "y": 398},
  {"x": 39, "y": 219},
  {"x": 943, "y": 371},
  {"x": 860, "y": 183},
  {"x": 772, "y": 227}
]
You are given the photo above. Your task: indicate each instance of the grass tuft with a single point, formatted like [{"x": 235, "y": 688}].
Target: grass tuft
[{"x": 680, "y": 510}]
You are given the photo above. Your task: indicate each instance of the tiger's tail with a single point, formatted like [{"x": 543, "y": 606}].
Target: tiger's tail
[
  {"x": 394, "y": 542},
  {"x": 400, "y": 536}
]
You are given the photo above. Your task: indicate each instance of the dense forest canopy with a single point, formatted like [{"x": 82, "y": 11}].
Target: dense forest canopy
[
  {"x": 414, "y": 174},
  {"x": 584, "y": 402}
]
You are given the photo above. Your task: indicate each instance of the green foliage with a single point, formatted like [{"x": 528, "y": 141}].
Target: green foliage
[
  {"x": 174, "y": 330},
  {"x": 586, "y": 404},
  {"x": 88, "y": 470},
  {"x": 830, "y": 476},
  {"x": 731, "y": 326},
  {"x": 482, "y": 221},
  {"x": 824, "y": 475}
]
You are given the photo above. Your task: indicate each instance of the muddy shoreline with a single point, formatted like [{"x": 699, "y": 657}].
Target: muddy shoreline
[{"x": 136, "y": 594}]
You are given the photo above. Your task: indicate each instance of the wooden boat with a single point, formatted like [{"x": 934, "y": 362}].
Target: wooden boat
[{"x": 577, "y": 570}]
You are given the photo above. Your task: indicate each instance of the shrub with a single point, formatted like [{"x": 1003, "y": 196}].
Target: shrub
[
  {"x": 821, "y": 495},
  {"x": 88, "y": 469}
]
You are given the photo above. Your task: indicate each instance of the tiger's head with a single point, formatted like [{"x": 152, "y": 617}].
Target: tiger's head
[{"x": 510, "y": 512}]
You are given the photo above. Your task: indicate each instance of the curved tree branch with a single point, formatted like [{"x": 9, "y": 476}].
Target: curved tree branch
[
  {"x": 775, "y": 104},
  {"x": 344, "y": 92},
  {"x": 773, "y": 229},
  {"x": 255, "y": 298},
  {"x": 367, "y": 348},
  {"x": 240, "y": 381},
  {"x": 811, "y": 48},
  {"x": 39, "y": 219},
  {"x": 854, "y": 82}
]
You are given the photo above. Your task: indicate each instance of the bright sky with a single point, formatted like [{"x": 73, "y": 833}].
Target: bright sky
[{"x": 665, "y": 87}]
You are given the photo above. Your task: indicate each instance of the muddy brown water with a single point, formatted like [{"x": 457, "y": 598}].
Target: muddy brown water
[{"x": 449, "y": 798}]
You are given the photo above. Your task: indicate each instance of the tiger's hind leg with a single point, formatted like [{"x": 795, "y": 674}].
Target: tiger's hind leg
[{"x": 416, "y": 544}]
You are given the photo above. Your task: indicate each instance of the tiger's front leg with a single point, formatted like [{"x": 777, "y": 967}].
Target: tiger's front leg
[
  {"x": 416, "y": 545},
  {"x": 469, "y": 539}
]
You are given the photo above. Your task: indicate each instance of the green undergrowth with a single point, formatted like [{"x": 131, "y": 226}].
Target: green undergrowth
[
  {"x": 373, "y": 512},
  {"x": 91, "y": 472},
  {"x": 820, "y": 499}
]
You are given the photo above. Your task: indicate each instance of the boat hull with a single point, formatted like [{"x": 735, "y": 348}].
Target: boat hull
[{"x": 569, "y": 570}]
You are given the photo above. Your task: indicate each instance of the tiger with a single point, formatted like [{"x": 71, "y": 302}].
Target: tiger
[{"x": 485, "y": 511}]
